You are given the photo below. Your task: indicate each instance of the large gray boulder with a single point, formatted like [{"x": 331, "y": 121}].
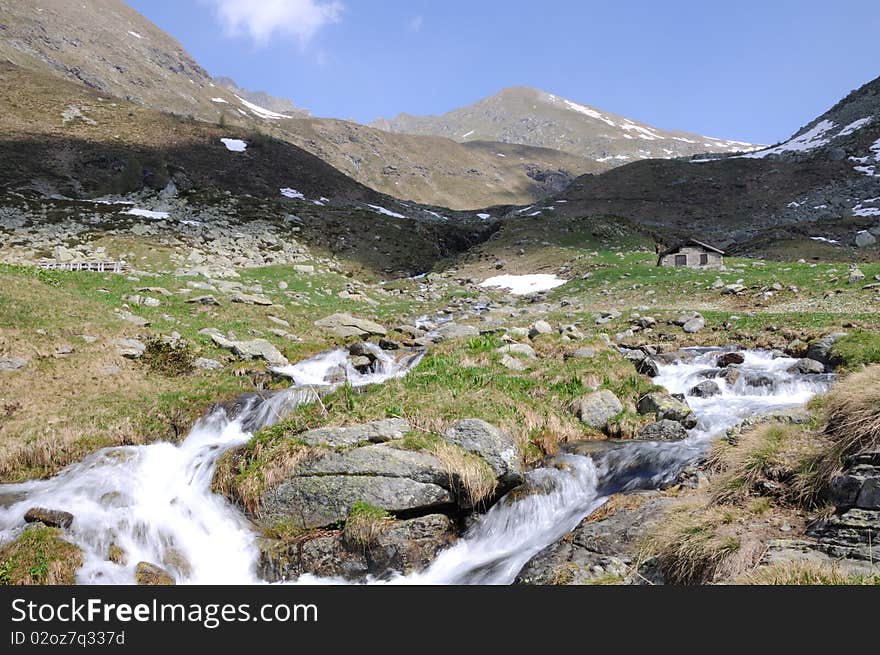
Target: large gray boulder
[
  {"x": 664, "y": 430},
  {"x": 597, "y": 408},
  {"x": 375, "y": 432},
  {"x": 865, "y": 239},
  {"x": 449, "y": 331},
  {"x": 807, "y": 366},
  {"x": 497, "y": 448},
  {"x": 345, "y": 325},
  {"x": 820, "y": 349},
  {"x": 324, "y": 500},
  {"x": 378, "y": 460},
  {"x": 522, "y": 349},
  {"x": 253, "y": 349},
  {"x": 665, "y": 406},
  {"x": 694, "y": 325},
  {"x": 538, "y": 328},
  {"x": 581, "y": 353}
]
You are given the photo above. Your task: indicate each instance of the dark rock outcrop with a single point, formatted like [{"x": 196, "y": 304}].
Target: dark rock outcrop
[
  {"x": 403, "y": 547},
  {"x": 604, "y": 548},
  {"x": 53, "y": 518}
]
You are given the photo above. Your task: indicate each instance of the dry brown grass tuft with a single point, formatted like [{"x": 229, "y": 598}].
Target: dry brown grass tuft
[
  {"x": 468, "y": 471},
  {"x": 52, "y": 451},
  {"x": 773, "y": 460},
  {"x": 806, "y": 573},
  {"x": 546, "y": 431},
  {"x": 244, "y": 475},
  {"x": 852, "y": 418},
  {"x": 365, "y": 523},
  {"x": 698, "y": 542}
]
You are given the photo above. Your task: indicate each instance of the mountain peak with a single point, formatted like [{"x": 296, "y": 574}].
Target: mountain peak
[{"x": 528, "y": 116}]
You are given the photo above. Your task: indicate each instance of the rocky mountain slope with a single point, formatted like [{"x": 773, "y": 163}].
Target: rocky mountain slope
[
  {"x": 62, "y": 143},
  {"x": 814, "y": 194},
  {"x": 531, "y": 117},
  {"x": 110, "y": 47},
  {"x": 107, "y": 46}
]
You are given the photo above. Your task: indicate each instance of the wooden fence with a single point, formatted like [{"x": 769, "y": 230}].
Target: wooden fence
[{"x": 94, "y": 266}]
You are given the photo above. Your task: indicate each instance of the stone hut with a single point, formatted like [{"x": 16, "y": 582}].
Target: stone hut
[{"x": 693, "y": 254}]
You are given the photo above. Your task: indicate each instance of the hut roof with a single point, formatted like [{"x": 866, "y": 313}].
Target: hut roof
[{"x": 690, "y": 242}]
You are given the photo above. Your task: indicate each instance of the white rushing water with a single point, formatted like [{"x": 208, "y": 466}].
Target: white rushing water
[
  {"x": 511, "y": 533},
  {"x": 155, "y": 501}
]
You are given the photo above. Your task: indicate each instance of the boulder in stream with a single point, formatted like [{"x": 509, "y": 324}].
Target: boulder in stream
[
  {"x": 807, "y": 366},
  {"x": 705, "y": 389},
  {"x": 729, "y": 359},
  {"x": 665, "y": 406},
  {"x": 603, "y": 548},
  {"x": 664, "y": 430},
  {"x": 53, "y": 518},
  {"x": 148, "y": 574},
  {"x": 497, "y": 448},
  {"x": 598, "y": 408}
]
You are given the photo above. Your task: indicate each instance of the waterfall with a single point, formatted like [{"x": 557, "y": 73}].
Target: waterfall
[
  {"x": 572, "y": 486},
  {"x": 155, "y": 501}
]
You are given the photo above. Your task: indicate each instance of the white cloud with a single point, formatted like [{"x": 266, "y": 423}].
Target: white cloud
[
  {"x": 415, "y": 25},
  {"x": 263, "y": 19}
]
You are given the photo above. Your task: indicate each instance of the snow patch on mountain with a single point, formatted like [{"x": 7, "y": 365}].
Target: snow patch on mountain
[
  {"x": 234, "y": 145},
  {"x": 287, "y": 192},
  {"x": 386, "y": 212},
  {"x": 261, "y": 112},
  {"x": 813, "y": 138},
  {"x": 520, "y": 285},
  {"x": 147, "y": 213},
  {"x": 855, "y": 125}
]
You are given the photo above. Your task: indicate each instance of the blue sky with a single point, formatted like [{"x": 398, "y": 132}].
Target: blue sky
[{"x": 749, "y": 70}]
